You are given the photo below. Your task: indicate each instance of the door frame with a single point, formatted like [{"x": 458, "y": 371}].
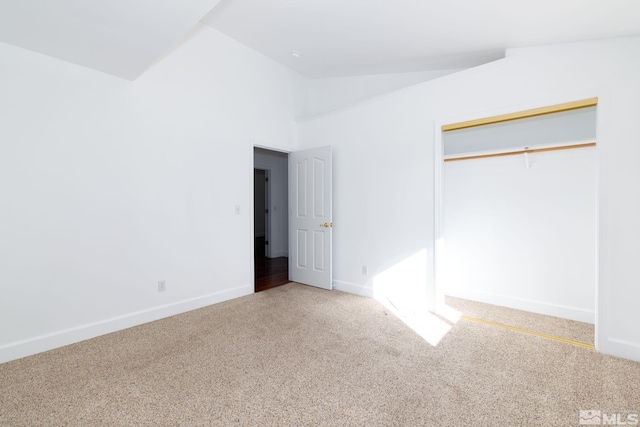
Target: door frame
[{"x": 436, "y": 291}]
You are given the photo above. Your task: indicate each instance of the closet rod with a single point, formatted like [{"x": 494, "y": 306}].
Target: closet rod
[{"x": 513, "y": 153}]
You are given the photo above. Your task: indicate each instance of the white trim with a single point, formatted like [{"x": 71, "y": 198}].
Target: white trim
[
  {"x": 603, "y": 130},
  {"x": 252, "y": 222},
  {"x": 541, "y": 307},
  {"x": 623, "y": 348},
  {"x": 352, "y": 288},
  {"x": 435, "y": 291},
  {"x": 31, "y": 346}
]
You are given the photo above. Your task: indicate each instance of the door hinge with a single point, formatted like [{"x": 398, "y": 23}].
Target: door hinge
[
  {"x": 266, "y": 179},
  {"x": 266, "y": 211},
  {"x": 266, "y": 242}
]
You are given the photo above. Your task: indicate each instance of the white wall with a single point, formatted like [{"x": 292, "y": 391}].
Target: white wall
[
  {"x": 523, "y": 238},
  {"x": 324, "y": 95},
  {"x": 278, "y": 165},
  {"x": 108, "y": 186},
  {"x": 384, "y": 166}
]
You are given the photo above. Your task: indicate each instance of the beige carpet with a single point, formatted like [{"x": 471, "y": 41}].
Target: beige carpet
[
  {"x": 297, "y": 355},
  {"x": 568, "y": 329}
]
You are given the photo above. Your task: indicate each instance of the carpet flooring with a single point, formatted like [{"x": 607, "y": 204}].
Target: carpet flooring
[{"x": 296, "y": 355}]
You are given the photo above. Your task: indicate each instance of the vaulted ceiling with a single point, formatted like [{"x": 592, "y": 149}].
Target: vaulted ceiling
[
  {"x": 119, "y": 37},
  {"x": 333, "y": 37},
  {"x": 346, "y": 37}
]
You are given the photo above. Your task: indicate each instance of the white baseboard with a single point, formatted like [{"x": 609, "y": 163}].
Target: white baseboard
[
  {"x": 541, "y": 307},
  {"x": 622, "y": 348},
  {"x": 353, "y": 288},
  {"x": 31, "y": 346},
  {"x": 279, "y": 254}
]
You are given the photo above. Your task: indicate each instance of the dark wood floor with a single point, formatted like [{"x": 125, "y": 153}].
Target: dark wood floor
[{"x": 270, "y": 272}]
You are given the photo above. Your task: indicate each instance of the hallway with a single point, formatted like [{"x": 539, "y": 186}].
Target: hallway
[{"x": 270, "y": 272}]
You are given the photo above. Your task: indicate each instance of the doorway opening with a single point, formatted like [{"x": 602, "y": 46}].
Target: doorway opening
[{"x": 271, "y": 219}]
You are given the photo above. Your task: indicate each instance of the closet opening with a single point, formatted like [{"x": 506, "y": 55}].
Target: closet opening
[{"x": 518, "y": 212}]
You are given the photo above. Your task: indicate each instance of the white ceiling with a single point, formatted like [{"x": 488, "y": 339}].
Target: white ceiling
[
  {"x": 335, "y": 37},
  {"x": 347, "y": 37},
  {"x": 119, "y": 37}
]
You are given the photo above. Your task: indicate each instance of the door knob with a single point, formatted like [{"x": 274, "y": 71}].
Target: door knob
[{"x": 327, "y": 224}]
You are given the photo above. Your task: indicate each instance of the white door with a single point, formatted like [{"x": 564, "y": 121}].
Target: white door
[{"x": 310, "y": 222}]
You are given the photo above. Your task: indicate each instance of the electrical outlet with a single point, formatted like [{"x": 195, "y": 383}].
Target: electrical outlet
[{"x": 162, "y": 286}]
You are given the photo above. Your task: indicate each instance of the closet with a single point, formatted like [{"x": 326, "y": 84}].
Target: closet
[{"x": 519, "y": 213}]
